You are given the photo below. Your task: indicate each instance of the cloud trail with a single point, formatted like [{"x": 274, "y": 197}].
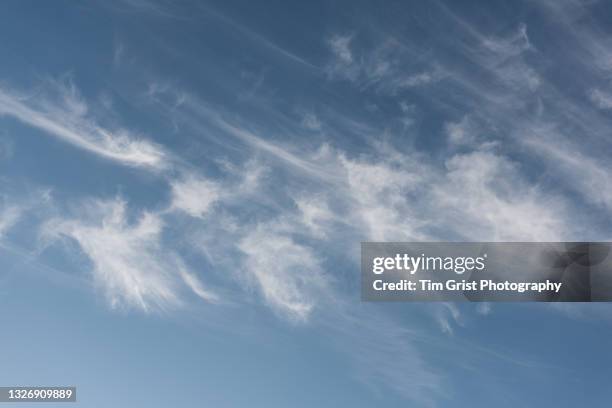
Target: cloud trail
[{"x": 64, "y": 116}]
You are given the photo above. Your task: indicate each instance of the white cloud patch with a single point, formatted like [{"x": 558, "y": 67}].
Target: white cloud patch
[
  {"x": 287, "y": 273},
  {"x": 340, "y": 46},
  {"x": 484, "y": 196},
  {"x": 196, "y": 285},
  {"x": 410, "y": 81},
  {"x": 129, "y": 262},
  {"x": 61, "y": 112},
  {"x": 601, "y": 99},
  {"x": 315, "y": 215},
  {"x": 380, "y": 195},
  {"x": 478, "y": 194},
  {"x": 194, "y": 195},
  {"x": 9, "y": 215},
  {"x": 484, "y": 308},
  {"x": 447, "y": 315},
  {"x": 462, "y": 132}
]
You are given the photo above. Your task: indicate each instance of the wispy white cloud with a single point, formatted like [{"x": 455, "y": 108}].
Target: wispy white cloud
[
  {"x": 275, "y": 150},
  {"x": 590, "y": 43},
  {"x": 461, "y": 132},
  {"x": 259, "y": 40},
  {"x": 61, "y": 112},
  {"x": 484, "y": 196},
  {"x": 601, "y": 99},
  {"x": 340, "y": 46},
  {"x": 315, "y": 214},
  {"x": 447, "y": 315},
  {"x": 20, "y": 202},
  {"x": 118, "y": 54},
  {"x": 476, "y": 195},
  {"x": 384, "y": 68},
  {"x": 505, "y": 58},
  {"x": 510, "y": 46},
  {"x": 9, "y": 215},
  {"x": 130, "y": 265},
  {"x": 379, "y": 195},
  {"x": 582, "y": 172},
  {"x": 194, "y": 195},
  {"x": 484, "y": 308},
  {"x": 192, "y": 281},
  {"x": 384, "y": 355},
  {"x": 291, "y": 283},
  {"x": 311, "y": 121}
]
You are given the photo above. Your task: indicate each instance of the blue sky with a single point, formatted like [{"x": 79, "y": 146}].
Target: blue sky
[{"x": 184, "y": 187}]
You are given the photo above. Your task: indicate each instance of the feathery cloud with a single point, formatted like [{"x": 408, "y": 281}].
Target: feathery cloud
[
  {"x": 63, "y": 113},
  {"x": 340, "y": 46},
  {"x": 194, "y": 195},
  {"x": 288, "y": 274},
  {"x": 9, "y": 215},
  {"x": 130, "y": 264}
]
